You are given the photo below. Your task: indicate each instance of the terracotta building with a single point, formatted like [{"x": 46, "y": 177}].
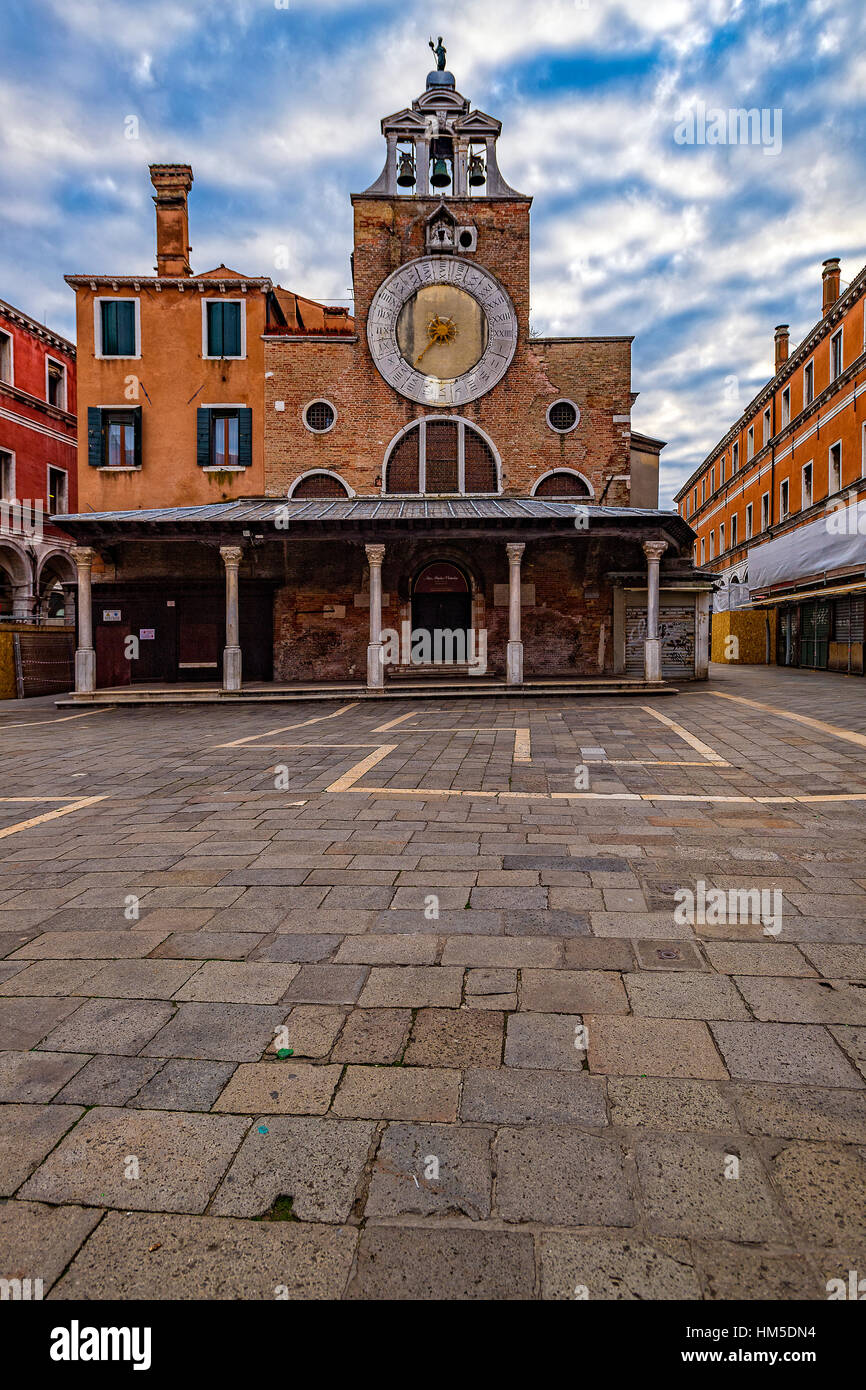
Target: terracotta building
[
  {"x": 421, "y": 485},
  {"x": 778, "y": 503}
]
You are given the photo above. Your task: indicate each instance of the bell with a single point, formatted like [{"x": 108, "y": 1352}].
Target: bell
[
  {"x": 406, "y": 171},
  {"x": 477, "y": 172},
  {"x": 440, "y": 178}
]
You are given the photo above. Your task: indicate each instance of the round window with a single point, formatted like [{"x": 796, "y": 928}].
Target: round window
[
  {"x": 320, "y": 416},
  {"x": 562, "y": 416}
]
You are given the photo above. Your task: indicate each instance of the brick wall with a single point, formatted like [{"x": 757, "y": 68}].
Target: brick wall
[{"x": 594, "y": 373}]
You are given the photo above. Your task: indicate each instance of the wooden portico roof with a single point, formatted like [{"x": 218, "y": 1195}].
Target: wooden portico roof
[{"x": 366, "y": 518}]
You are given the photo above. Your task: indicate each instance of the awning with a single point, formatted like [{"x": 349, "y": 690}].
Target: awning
[{"x": 834, "y": 592}]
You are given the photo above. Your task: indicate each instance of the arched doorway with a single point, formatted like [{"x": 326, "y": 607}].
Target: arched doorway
[{"x": 441, "y": 599}]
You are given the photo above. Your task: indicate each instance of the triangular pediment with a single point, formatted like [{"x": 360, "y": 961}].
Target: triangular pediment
[
  {"x": 478, "y": 123},
  {"x": 404, "y": 120}
]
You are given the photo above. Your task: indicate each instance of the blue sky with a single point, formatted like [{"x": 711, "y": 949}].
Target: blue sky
[{"x": 697, "y": 250}]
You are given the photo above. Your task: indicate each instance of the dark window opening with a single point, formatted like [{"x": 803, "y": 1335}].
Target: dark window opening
[
  {"x": 320, "y": 485},
  {"x": 319, "y": 416},
  {"x": 224, "y": 439},
  {"x": 57, "y": 385},
  {"x": 562, "y": 416},
  {"x": 562, "y": 485},
  {"x": 118, "y": 327},
  {"x": 56, "y": 490},
  {"x": 118, "y": 439},
  {"x": 223, "y": 330}
]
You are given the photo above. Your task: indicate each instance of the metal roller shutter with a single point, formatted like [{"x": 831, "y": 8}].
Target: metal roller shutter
[{"x": 677, "y": 633}]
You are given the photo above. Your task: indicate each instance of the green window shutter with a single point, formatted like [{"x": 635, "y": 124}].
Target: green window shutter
[
  {"x": 136, "y": 426},
  {"x": 231, "y": 330},
  {"x": 118, "y": 327},
  {"x": 214, "y": 330},
  {"x": 125, "y": 328},
  {"x": 94, "y": 436},
  {"x": 202, "y": 437},
  {"x": 245, "y": 437},
  {"x": 108, "y": 308}
]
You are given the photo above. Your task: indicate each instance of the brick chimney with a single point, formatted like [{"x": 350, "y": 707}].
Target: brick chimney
[
  {"x": 782, "y": 335},
  {"x": 172, "y": 183},
  {"x": 831, "y": 281}
]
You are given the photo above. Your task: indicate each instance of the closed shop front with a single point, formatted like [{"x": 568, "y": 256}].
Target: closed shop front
[
  {"x": 846, "y": 645},
  {"x": 815, "y": 621},
  {"x": 677, "y": 633}
]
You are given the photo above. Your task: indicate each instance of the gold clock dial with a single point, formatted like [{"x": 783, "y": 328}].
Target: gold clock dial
[{"x": 442, "y": 331}]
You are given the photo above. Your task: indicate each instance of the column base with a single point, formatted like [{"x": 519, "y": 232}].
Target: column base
[
  {"x": 514, "y": 663},
  {"x": 375, "y": 667},
  {"x": 652, "y": 658},
  {"x": 85, "y": 670},
  {"x": 232, "y": 668}
]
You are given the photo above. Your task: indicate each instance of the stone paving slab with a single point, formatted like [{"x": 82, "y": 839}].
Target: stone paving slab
[
  {"x": 28, "y": 1133},
  {"x": 598, "y": 1266},
  {"x": 507, "y": 1095},
  {"x": 429, "y": 1170},
  {"x": 280, "y": 1088},
  {"x": 318, "y": 1162},
  {"x": 38, "y": 1242},
  {"x": 152, "y": 1257},
  {"x": 398, "y": 1093},
  {"x": 686, "y": 1191},
  {"x": 24, "y": 1021},
  {"x": 36, "y": 1076},
  {"x": 560, "y": 1176},
  {"x": 124, "y": 1025},
  {"x": 409, "y": 1262},
  {"x": 181, "y": 1159},
  {"x": 218, "y": 1032},
  {"x": 653, "y": 1047},
  {"x": 787, "y": 1052}
]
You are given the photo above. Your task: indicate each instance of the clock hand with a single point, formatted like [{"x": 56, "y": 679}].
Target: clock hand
[{"x": 426, "y": 349}]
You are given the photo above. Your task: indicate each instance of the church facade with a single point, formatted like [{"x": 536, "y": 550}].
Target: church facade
[{"x": 422, "y": 488}]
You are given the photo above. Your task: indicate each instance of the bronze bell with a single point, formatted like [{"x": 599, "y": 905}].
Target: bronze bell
[
  {"x": 406, "y": 171},
  {"x": 477, "y": 172},
  {"x": 440, "y": 178}
]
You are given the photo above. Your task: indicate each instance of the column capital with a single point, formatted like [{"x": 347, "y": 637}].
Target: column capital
[
  {"x": 514, "y": 550},
  {"x": 654, "y": 550},
  {"x": 375, "y": 554},
  {"x": 83, "y": 555},
  {"x": 232, "y": 555}
]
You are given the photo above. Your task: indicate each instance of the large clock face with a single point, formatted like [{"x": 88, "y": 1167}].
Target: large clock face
[{"x": 441, "y": 330}]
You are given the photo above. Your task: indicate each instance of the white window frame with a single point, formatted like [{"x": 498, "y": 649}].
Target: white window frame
[
  {"x": 784, "y": 499},
  {"x": 223, "y": 299},
  {"x": 837, "y": 338},
  {"x": 809, "y": 380},
  {"x": 563, "y": 400},
  {"x": 318, "y": 400},
  {"x": 734, "y": 530},
  {"x": 10, "y": 380},
  {"x": 124, "y": 467},
  {"x": 722, "y": 463},
  {"x": 702, "y": 550},
  {"x": 750, "y": 443},
  {"x": 830, "y": 489},
  {"x": 53, "y": 468},
  {"x": 98, "y": 301},
  {"x": 768, "y": 425},
  {"x": 703, "y": 491},
  {"x": 803, "y": 502},
  {"x": 750, "y": 514},
  {"x": 786, "y": 406},
  {"x": 712, "y": 545},
  {"x": 320, "y": 473},
  {"x": 765, "y": 511},
  {"x": 10, "y": 453},
  {"x": 735, "y": 456},
  {"x": 62, "y": 365},
  {"x": 863, "y": 452},
  {"x": 721, "y": 538}
]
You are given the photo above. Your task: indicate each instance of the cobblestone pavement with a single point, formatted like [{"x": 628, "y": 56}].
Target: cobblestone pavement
[{"x": 404, "y": 999}]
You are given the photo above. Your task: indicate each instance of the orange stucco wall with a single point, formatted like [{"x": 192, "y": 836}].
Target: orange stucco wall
[{"x": 171, "y": 378}]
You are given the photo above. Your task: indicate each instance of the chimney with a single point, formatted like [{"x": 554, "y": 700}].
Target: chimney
[
  {"x": 831, "y": 280},
  {"x": 781, "y": 344},
  {"x": 172, "y": 183}
]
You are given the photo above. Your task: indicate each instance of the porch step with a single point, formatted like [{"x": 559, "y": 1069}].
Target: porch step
[{"x": 404, "y": 690}]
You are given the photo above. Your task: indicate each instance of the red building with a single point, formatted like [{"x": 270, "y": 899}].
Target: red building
[{"x": 37, "y": 468}]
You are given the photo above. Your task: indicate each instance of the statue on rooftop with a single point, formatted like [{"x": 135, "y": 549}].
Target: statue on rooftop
[{"x": 439, "y": 50}]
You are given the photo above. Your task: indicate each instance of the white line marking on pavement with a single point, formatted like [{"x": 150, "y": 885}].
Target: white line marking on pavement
[
  {"x": 348, "y": 779},
  {"x": 392, "y": 723},
  {"x": 317, "y": 719},
  {"x": 36, "y": 723},
  {"x": 704, "y": 748},
  {"x": 51, "y": 815},
  {"x": 522, "y": 746},
  {"x": 848, "y": 734}
]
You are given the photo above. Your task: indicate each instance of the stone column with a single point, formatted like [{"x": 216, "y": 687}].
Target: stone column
[
  {"x": 375, "y": 667},
  {"x": 85, "y": 656},
  {"x": 702, "y": 636},
  {"x": 653, "y": 550},
  {"x": 514, "y": 659},
  {"x": 232, "y": 555}
]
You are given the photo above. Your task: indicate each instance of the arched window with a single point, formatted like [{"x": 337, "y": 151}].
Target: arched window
[
  {"x": 319, "y": 485},
  {"x": 562, "y": 483},
  {"x": 441, "y": 455}
]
